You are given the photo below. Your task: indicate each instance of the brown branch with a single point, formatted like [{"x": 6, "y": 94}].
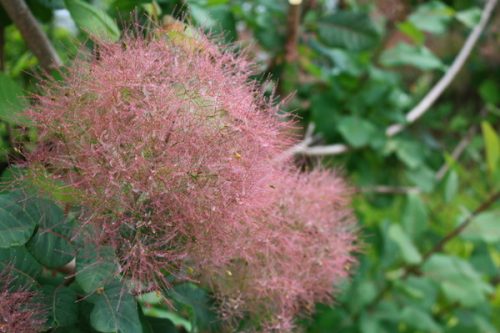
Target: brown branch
[
  {"x": 414, "y": 269},
  {"x": 293, "y": 26},
  {"x": 458, "y": 230},
  {"x": 457, "y": 152},
  {"x": 30, "y": 29},
  {"x": 384, "y": 189}
]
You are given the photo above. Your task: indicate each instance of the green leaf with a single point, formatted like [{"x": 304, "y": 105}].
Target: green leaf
[
  {"x": 490, "y": 92},
  {"x": 24, "y": 267},
  {"x": 409, "y": 152},
  {"x": 419, "y": 319},
  {"x": 356, "y": 131},
  {"x": 415, "y": 216},
  {"x": 93, "y": 21},
  {"x": 16, "y": 224},
  {"x": 451, "y": 186},
  {"x": 411, "y": 55},
  {"x": 12, "y": 101},
  {"x": 408, "y": 250},
  {"x": 217, "y": 18},
  {"x": 195, "y": 301},
  {"x": 349, "y": 30},
  {"x": 157, "y": 325},
  {"x": 492, "y": 143},
  {"x": 95, "y": 267},
  {"x": 485, "y": 227},
  {"x": 51, "y": 244},
  {"x": 115, "y": 310},
  {"x": 432, "y": 16},
  {"x": 52, "y": 4},
  {"x": 63, "y": 306},
  {"x": 458, "y": 280},
  {"x": 410, "y": 30},
  {"x": 469, "y": 17}
]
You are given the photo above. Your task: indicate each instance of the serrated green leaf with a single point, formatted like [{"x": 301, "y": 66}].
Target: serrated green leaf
[
  {"x": 95, "y": 267},
  {"x": 349, "y": 30},
  {"x": 115, "y": 310},
  {"x": 492, "y": 144},
  {"x": 51, "y": 244},
  {"x": 93, "y": 21},
  {"x": 12, "y": 101},
  {"x": 409, "y": 251},
  {"x": 16, "y": 224}
]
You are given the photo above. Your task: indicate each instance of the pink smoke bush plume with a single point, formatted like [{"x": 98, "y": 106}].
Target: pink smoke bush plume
[
  {"x": 19, "y": 311},
  {"x": 172, "y": 151}
]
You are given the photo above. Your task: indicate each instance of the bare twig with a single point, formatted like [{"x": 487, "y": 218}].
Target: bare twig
[
  {"x": 460, "y": 148},
  {"x": 460, "y": 228},
  {"x": 457, "y": 152},
  {"x": 293, "y": 26},
  {"x": 30, "y": 29},
  {"x": 384, "y": 189},
  {"x": 438, "y": 247},
  {"x": 451, "y": 73},
  {"x": 431, "y": 96}
]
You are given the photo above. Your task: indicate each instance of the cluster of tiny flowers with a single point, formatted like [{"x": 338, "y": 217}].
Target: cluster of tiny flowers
[
  {"x": 172, "y": 150},
  {"x": 19, "y": 311}
]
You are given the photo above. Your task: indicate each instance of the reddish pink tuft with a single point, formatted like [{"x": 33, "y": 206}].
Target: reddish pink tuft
[
  {"x": 170, "y": 147},
  {"x": 19, "y": 311}
]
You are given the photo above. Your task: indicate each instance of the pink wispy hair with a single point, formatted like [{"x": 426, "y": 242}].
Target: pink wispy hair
[
  {"x": 19, "y": 310},
  {"x": 171, "y": 148},
  {"x": 299, "y": 249}
]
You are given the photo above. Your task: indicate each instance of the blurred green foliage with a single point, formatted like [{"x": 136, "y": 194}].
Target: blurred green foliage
[{"x": 361, "y": 66}]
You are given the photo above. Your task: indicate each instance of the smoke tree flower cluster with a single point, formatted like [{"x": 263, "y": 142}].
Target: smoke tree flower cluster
[{"x": 172, "y": 150}]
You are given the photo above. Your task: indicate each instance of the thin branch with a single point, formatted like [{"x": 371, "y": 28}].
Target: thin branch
[
  {"x": 457, "y": 152},
  {"x": 30, "y": 29},
  {"x": 431, "y": 96},
  {"x": 459, "y": 229},
  {"x": 438, "y": 247},
  {"x": 452, "y": 72},
  {"x": 293, "y": 26},
  {"x": 384, "y": 189}
]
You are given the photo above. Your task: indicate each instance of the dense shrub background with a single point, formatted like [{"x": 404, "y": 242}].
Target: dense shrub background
[{"x": 427, "y": 198}]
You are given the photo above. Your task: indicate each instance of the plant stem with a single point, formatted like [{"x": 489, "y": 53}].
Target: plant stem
[{"x": 30, "y": 29}]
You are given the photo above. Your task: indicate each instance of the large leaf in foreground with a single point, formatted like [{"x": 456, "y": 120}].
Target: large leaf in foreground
[
  {"x": 115, "y": 310},
  {"x": 51, "y": 244},
  {"x": 16, "y": 224}
]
